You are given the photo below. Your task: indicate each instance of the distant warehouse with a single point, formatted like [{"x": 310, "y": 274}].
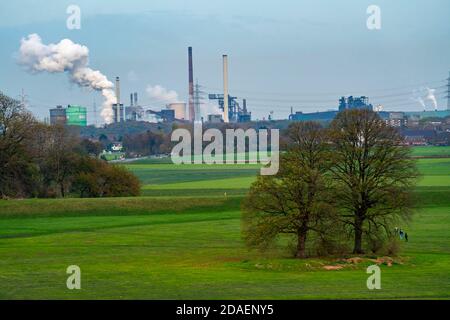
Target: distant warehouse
[{"x": 71, "y": 116}]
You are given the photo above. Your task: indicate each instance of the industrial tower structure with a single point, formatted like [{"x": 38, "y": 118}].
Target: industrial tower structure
[
  {"x": 198, "y": 101},
  {"x": 191, "y": 86},
  {"x": 226, "y": 115}
]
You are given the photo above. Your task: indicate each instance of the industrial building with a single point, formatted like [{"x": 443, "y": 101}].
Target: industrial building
[
  {"x": 71, "y": 116},
  {"x": 313, "y": 116},
  {"x": 118, "y": 113},
  {"x": 215, "y": 118},
  {"x": 354, "y": 103},
  {"x": 134, "y": 112},
  {"x": 58, "y": 116},
  {"x": 428, "y": 114},
  {"x": 345, "y": 103},
  {"x": 236, "y": 113},
  {"x": 232, "y": 111},
  {"x": 76, "y": 116}
]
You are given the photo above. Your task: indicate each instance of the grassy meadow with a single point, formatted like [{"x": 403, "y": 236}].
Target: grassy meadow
[{"x": 181, "y": 240}]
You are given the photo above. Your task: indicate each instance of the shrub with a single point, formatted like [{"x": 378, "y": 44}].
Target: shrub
[{"x": 97, "y": 178}]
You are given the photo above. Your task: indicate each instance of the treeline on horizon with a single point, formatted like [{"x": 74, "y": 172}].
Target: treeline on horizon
[{"x": 45, "y": 161}]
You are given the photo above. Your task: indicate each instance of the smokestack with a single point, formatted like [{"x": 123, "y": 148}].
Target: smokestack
[
  {"x": 244, "y": 105},
  {"x": 191, "y": 87},
  {"x": 118, "y": 111},
  {"x": 225, "y": 89},
  {"x": 136, "y": 103},
  {"x": 131, "y": 99}
]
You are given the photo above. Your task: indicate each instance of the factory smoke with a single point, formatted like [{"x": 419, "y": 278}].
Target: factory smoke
[
  {"x": 425, "y": 94},
  {"x": 430, "y": 96},
  {"x": 161, "y": 94},
  {"x": 208, "y": 108},
  {"x": 67, "y": 56}
]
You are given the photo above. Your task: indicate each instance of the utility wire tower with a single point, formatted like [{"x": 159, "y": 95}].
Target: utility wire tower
[
  {"x": 198, "y": 101},
  {"x": 23, "y": 99},
  {"x": 95, "y": 113}
]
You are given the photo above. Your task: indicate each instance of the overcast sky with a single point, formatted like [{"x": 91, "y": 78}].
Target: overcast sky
[{"x": 303, "y": 54}]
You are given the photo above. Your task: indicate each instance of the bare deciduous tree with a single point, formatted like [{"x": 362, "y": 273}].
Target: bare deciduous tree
[
  {"x": 374, "y": 173},
  {"x": 297, "y": 200}
]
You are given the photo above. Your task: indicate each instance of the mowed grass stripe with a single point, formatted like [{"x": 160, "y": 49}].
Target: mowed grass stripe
[
  {"x": 229, "y": 183},
  {"x": 114, "y": 206}
]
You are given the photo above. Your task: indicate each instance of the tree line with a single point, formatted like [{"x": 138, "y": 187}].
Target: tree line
[
  {"x": 351, "y": 180},
  {"x": 40, "y": 160}
]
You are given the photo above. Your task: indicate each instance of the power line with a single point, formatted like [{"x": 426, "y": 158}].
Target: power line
[{"x": 332, "y": 93}]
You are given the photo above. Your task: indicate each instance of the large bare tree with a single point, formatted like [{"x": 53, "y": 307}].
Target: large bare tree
[
  {"x": 374, "y": 173},
  {"x": 15, "y": 165},
  {"x": 297, "y": 200}
]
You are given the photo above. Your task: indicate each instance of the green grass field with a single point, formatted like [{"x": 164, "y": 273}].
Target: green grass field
[
  {"x": 431, "y": 151},
  {"x": 181, "y": 240}
]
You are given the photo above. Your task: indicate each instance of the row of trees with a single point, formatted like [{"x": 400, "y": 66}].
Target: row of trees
[
  {"x": 147, "y": 143},
  {"x": 352, "y": 178},
  {"x": 38, "y": 160}
]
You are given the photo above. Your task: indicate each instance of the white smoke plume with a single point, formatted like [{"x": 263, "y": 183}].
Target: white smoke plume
[
  {"x": 67, "y": 56},
  {"x": 430, "y": 96},
  {"x": 162, "y": 95},
  {"x": 208, "y": 108},
  {"x": 419, "y": 95}
]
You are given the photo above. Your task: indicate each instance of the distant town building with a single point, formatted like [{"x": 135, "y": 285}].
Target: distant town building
[
  {"x": 397, "y": 119},
  {"x": 117, "y": 147},
  {"x": 418, "y": 137}
]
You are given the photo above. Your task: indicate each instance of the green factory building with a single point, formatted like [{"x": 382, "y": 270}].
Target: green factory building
[{"x": 76, "y": 116}]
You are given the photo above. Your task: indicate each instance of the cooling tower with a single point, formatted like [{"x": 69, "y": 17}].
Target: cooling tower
[{"x": 180, "y": 110}]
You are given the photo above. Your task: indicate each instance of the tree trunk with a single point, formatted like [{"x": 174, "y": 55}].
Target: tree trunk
[
  {"x": 358, "y": 235},
  {"x": 301, "y": 245},
  {"x": 63, "y": 194}
]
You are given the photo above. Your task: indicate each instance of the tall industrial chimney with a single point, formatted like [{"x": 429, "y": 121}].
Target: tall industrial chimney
[
  {"x": 131, "y": 100},
  {"x": 118, "y": 111},
  {"x": 136, "y": 103},
  {"x": 191, "y": 87},
  {"x": 225, "y": 89}
]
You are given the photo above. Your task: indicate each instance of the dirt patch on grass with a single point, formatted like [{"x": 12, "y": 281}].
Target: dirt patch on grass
[
  {"x": 356, "y": 261},
  {"x": 333, "y": 267}
]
